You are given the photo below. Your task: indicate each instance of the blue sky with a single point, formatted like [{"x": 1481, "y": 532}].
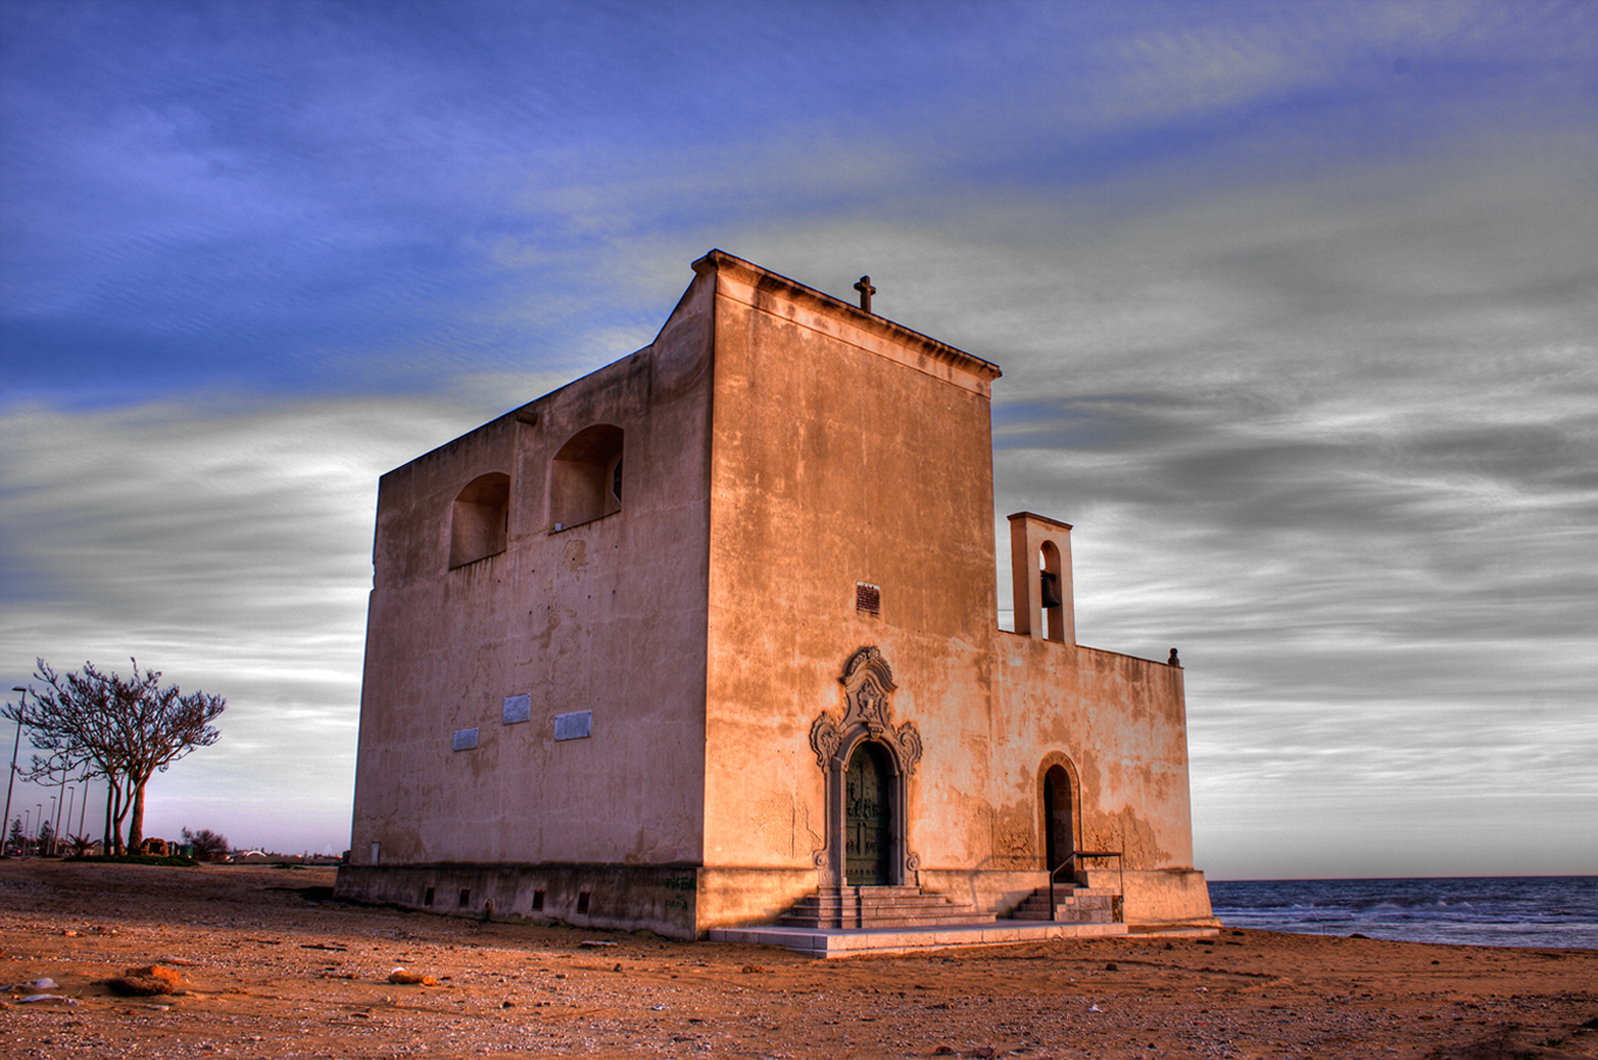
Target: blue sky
[{"x": 1295, "y": 304}]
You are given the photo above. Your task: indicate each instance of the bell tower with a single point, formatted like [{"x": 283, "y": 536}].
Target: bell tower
[{"x": 1040, "y": 566}]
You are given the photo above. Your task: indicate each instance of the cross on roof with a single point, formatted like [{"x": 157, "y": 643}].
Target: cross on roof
[{"x": 866, "y": 291}]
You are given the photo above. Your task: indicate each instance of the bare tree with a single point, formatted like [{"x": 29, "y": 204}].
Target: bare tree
[{"x": 122, "y": 730}]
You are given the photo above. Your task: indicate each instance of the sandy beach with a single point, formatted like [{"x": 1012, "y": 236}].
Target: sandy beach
[{"x": 266, "y": 965}]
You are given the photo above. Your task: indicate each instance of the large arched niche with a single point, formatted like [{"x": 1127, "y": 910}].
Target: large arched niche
[
  {"x": 585, "y": 478},
  {"x": 1059, "y": 802},
  {"x": 867, "y": 718},
  {"x": 479, "y": 519}
]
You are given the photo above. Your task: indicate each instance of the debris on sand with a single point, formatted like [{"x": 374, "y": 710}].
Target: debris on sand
[
  {"x": 404, "y": 978},
  {"x": 149, "y": 980},
  {"x": 135, "y": 986},
  {"x": 34, "y": 986}
]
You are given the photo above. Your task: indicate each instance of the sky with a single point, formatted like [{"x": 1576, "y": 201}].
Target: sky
[{"x": 1296, "y": 304}]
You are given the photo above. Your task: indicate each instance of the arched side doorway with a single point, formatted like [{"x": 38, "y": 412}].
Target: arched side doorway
[
  {"x": 1059, "y": 819},
  {"x": 867, "y": 762}
]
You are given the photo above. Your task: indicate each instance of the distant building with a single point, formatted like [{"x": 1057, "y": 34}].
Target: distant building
[{"x": 713, "y": 629}]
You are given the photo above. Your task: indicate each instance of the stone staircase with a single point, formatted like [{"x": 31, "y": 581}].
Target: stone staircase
[
  {"x": 879, "y": 907},
  {"x": 1072, "y": 905}
]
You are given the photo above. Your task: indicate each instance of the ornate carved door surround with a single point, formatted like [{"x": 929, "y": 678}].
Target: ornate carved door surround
[{"x": 867, "y": 717}]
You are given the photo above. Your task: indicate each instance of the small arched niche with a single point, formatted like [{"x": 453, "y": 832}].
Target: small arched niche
[
  {"x": 480, "y": 519},
  {"x": 585, "y": 478}
]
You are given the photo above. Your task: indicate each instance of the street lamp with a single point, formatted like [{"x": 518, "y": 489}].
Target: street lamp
[
  {"x": 84, "y": 809},
  {"x": 48, "y": 818},
  {"x": 55, "y": 832},
  {"x": 22, "y": 703},
  {"x": 71, "y": 793}
]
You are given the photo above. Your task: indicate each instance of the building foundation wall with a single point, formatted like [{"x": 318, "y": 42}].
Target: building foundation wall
[
  {"x": 1158, "y": 896},
  {"x": 659, "y": 898},
  {"x": 734, "y": 897}
]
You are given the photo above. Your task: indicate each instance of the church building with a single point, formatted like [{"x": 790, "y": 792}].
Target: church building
[{"x": 708, "y": 639}]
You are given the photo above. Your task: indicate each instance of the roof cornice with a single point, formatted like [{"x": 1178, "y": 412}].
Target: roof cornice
[{"x": 764, "y": 280}]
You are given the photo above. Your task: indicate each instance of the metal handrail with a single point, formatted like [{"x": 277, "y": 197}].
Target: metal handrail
[{"x": 1072, "y": 857}]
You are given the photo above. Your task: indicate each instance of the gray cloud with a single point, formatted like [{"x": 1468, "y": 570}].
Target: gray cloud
[
  {"x": 1364, "y": 508},
  {"x": 228, "y": 545}
]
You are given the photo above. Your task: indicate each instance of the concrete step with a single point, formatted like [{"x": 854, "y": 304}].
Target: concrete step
[
  {"x": 883, "y": 907},
  {"x": 942, "y": 915},
  {"x": 878, "y": 922},
  {"x": 1067, "y": 915},
  {"x": 1072, "y": 905},
  {"x": 879, "y": 907}
]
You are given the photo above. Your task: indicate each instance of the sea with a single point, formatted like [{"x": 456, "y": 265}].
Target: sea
[{"x": 1541, "y": 911}]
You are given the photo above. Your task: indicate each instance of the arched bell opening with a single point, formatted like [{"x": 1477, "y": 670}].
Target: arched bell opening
[{"x": 1050, "y": 591}]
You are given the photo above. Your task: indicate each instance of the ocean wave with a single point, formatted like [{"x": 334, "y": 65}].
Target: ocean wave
[{"x": 1496, "y": 911}]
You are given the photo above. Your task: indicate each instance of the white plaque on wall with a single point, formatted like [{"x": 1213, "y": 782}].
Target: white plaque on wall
[
  {"x": 517, "y": 708},
  {"x": 576, "y": 726},
  {"x": 465, "y": 739}
]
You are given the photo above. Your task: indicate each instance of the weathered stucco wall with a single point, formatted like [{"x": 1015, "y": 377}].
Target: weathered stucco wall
[
  {"x": 607, "y": 617},
  {"x": 1120, "y": 723},
  {"x": 846, "y": 450}
]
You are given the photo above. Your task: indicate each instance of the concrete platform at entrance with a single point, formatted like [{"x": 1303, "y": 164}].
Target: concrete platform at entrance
[
  {"x": 851, "y": 942},
  {"x": 854, "y": 942}
]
